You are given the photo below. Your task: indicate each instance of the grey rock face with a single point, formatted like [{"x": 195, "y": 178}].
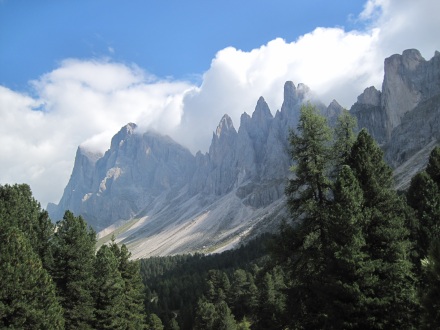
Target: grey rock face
[
  {"x": 142, "y": 173},
  {"x": 370, "y": 114},
  {"x": 136, "y": 170},
  {"x": 409, "y": 81},
  {"x": 79, "y": 184},
  {"x": 185, "y": 203}
]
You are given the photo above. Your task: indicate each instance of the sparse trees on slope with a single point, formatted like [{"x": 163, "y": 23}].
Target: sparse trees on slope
[{"x": 73, "y": 249}]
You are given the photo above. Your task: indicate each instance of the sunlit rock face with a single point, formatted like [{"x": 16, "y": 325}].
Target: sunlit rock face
[
  {"x": 146, "y": 174},
  {"x": 180, "y": 202},
  {"x": 129, "y": 176}
]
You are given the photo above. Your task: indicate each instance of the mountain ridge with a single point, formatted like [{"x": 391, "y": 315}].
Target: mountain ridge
[{"x": 177, "y": 202}]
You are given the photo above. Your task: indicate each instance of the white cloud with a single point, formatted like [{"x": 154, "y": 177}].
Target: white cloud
[
  {"x": 81, "y": 102},
  {"x": 86, "y": 102}
]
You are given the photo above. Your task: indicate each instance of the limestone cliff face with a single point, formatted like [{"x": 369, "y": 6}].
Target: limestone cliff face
[
  {"x": 79, "y": 184},
  {"x": 403, "y": 116},
  {"x": 132, "y": 174},
  {"x": 142, "y": 173},
  {"x": 370, "y": 114},
  {"x": 186, "y": 203}
]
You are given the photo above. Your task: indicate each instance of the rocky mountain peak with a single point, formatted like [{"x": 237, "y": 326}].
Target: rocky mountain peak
[
  {"x": 225, "y": 126},
  {"x": 182, "y": 203},
  {"x": 123, "y": 133},
  {"x": 262, "y": 111},
  {"x": 290, "y": 95},
  {"x": 370, "y": 96},
  {"x": 409, "y": 80}
]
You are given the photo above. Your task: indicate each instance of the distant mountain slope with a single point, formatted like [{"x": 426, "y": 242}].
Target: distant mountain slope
[{"x": 160, "y": 199}]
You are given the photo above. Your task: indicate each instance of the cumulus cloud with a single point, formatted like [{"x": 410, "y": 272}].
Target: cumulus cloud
[
  {"x": 81, "y": 102},
  {"x": 87, "y": 101}
]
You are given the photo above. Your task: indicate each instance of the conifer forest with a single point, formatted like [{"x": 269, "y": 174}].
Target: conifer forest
[{"x": 352, "y": 253}]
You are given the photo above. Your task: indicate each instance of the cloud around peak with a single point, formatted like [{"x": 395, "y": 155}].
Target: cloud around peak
[{"x": 87, "y": 101}]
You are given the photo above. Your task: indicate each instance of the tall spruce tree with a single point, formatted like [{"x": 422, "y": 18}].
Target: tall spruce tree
[
  {"x": 348, "y": 266},
  {"x": 424, "y": 198},
  {"x": 391, "y": 301},
  {"x": 133, "y": 293},
  {"x": 27, "y": 293},
  {"x": 109, "y": 291},
  {"x": 73, "y": 250}
]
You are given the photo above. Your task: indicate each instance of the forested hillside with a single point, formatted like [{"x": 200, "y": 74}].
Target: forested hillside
[{"x": 353, "y": 254}]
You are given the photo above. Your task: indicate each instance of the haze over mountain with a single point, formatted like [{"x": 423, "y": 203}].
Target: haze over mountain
[{"x": 161, "y": 199}]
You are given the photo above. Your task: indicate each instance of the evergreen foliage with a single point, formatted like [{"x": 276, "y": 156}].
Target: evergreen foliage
[
  {"x": 348, "y": 267},
  {"x": 424, "y": 198},
  {"x": 133, "y": 288},
  {"x": 73, "y": 249},
  {"x": 348, "y": 257},
  {"x": 154, "y": 322},
  {"x": 311, "y": 152},
  {"x": 433, "y": 167},
  {"x": 109, "y": 287},
  {"x": 431, "y": 297},
  {"x": 344, "y": 138},
  {"x": 343, "y": 261},
  {"x": 27, "y": 294},
  {"x": 18, "y": 208},
  {"x": 392, "y": 300}
]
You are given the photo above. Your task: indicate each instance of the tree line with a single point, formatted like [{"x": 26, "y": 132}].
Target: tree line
[{"x": 353, "y": 253}]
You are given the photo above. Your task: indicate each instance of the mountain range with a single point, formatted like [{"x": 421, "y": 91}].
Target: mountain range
[{"x": 158, "y": 198}]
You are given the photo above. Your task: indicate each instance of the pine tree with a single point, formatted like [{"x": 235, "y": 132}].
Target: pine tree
[
  {"x": 109, "y": 291},
  {"x": 433, "y": 167},
  {"x": 133, "y": 293},
  {"x": 225, "y": 320},
  {"x": 391, "y": 302},
  {"x": 272, "y": 301},
  {"x": 206, "y": 315},
  {"x": 348, "y": 266},
  {"x": 27, "y": 294},
  {"x": 19, "y": 208},
  {"x": 424, "y": 197},
  {"x": 73, "y": 250},
  {"x": 154, "y": 322},
  {"x": 431, "y": 298},
  {"x": 344, "y": 138}
]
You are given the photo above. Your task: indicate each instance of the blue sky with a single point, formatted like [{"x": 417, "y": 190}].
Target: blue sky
[
  {"x": 166, "y": 38},
  {"x": 73, "y": 72}
]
